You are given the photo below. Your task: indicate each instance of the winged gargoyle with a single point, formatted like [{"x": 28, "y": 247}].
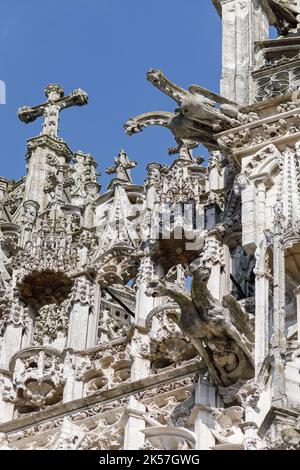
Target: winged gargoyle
[
  {"x": 200, "y": 115},
  {"x": 218, "y": 330}
]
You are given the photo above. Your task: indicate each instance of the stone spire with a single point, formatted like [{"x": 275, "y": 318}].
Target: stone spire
[
  {"x": 167, "y": 315},
  {"x": 121, "y": 168},
  {"x": 48, "y": 156},
  {"x": 51, "y": 108}
]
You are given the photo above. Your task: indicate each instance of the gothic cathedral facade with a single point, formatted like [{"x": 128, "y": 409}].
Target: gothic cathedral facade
[{"x": 164, "y": 316}]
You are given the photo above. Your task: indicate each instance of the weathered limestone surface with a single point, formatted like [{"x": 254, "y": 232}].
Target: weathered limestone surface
[{"x": 164, "y": 316}]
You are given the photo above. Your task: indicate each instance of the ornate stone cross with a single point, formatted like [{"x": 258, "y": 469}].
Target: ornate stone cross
[
  {"x": 185, "y": 148},
  {"x": 51, "y": 108},
  {"x": 122, "y": 167}
]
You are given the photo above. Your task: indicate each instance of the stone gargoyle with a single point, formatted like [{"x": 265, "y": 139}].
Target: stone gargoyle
[
  {"x": 200, "y": 115},
  {"x": 286, "y": 14},
  {"x": 218, "y": 330}
]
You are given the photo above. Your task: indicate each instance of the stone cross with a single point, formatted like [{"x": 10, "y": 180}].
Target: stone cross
[
  {"x": 122, "y": 167},
  {"x": 185, "y": 148},
  {"x": 51, "y": 108}
]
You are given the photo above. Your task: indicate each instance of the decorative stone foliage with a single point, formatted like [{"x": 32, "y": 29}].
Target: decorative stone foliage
[{"x": 164, "y": 316}]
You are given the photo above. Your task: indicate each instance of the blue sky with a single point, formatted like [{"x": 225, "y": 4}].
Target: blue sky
[{"x": 104, "y": 47}]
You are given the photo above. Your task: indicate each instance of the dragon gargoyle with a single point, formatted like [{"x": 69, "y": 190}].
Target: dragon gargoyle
[
  {"x": 218, "y": 330},
  {"x": 200, "y": 115}
]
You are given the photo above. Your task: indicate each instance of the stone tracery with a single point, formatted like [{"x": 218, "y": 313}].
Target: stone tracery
[{"x": 169, "y": 312}]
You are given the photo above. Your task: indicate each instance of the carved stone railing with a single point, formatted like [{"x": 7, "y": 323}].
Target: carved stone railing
[
  {"x": 276, "y": 82},
  {"x": 37, "y": 378},
  {"x": 104, "y": 367},
  {"x": 168, "y": 345}
]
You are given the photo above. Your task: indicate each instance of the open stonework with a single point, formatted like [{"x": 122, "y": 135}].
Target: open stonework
[{"x": 164, "y": 316}]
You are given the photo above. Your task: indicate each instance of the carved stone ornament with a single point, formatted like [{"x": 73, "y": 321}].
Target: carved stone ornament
[{"x": 164, "y": 315}]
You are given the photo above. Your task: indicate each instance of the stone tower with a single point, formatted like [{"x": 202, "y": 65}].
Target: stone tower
[{"x": 163, "y": 316}]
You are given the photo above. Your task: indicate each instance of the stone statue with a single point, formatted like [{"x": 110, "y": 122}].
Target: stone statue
[
  {"x": 163, "y": 315},
  {"x": 217, "y": 330}
]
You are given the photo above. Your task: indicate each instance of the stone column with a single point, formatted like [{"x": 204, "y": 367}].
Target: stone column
[
  {"x": 243, "y": 23},
  {"x": 297, "y": 293},
  {"x": 140, "y": 352},
  {"x": 216, "y": 178},
  {"x": 82, "y": 332},
  {"x": 3, "y": 188},
  {"x": 16, "y": 324},
  {"x": 279, "y": 338},
  {"x": 151, "y": 182},
  {"x": 144, "y": 303},
  {"x": 36, "y": 177},
  {"x": 260, "y": 208},
  {"x": 91, "y": 188},
  {"x": 214, "y": 255},
  {"x": 261, "y": 318},
  {"x": 205, "y": 438},
  {"x": 263, "y": 183},
  {"x": 12, "y": 340},
  {"x": 6, "y": 407},
  {"x": 27, "y": 336},
  {"x": 206, "y": 399},
  {"x": 140, "y": 342},
  {"x": 133, "y": 438},
  {"x": 253, "y": 209},
  {"x": 279, "y": 334},
  {"x": 92, "y": 331},
  {"x": 226, "y": 283},
  {"x": 73, "y": 388},
  {"x": 30, "y": 212},
  {"x": 83, "y": 303},
  {"x": 249, "y": 217}
]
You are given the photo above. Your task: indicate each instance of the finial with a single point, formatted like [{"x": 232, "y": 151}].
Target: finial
[
  {"x": 122, "y": 167},
  {"x": 57, "y": 101},
  {"x": 54, "y": 91},
  {"x": 184, "y": 148}
]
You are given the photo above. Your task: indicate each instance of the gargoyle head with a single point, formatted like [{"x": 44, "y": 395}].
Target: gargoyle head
[
  {"x": 154, "y": 76},
  {"x": 155, "y": 288},
  {"x": 201, "y": 270},
  {"x": 132, "y": 127}
]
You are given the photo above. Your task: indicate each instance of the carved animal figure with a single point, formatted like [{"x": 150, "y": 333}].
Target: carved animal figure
[
  {"x": 218, "y": 330},
  {"x": 200, "y": 115}
]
